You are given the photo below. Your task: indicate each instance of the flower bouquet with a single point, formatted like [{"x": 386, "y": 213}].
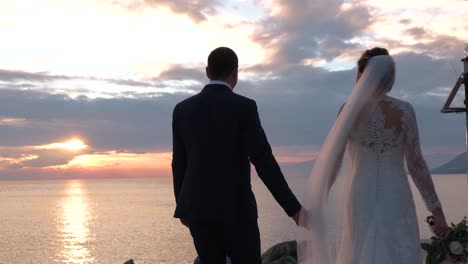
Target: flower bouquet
[{"x": 452, "y": 249}]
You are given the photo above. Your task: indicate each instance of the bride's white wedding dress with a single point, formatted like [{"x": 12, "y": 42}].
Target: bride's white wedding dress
[{"x": 380, "y": 223}]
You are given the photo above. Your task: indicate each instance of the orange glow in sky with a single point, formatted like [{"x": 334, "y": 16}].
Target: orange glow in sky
[
  {"x": 114, "y": 160},
  {"x": 71, "y": 145}
]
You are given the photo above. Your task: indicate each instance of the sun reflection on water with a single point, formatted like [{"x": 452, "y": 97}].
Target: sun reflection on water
[{"x": 74, "y": 218}]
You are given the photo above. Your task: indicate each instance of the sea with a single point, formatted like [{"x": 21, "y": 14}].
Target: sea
[{"x": 112, "y": 221}]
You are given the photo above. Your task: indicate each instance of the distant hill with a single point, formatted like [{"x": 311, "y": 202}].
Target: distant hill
[{"x": 456, "y": 166}]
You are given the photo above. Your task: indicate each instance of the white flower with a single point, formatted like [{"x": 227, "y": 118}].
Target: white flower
[{"x": 456, "y": 248}]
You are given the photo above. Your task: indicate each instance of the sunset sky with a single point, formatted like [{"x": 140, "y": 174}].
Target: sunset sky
[{"x": 87, "y": 87}]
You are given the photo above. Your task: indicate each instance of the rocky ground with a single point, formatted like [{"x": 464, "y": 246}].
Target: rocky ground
[{"x": 282, "y": 253}]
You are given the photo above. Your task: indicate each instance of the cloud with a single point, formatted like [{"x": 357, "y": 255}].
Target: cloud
[
  {"x": 196, "y": 10},
  {"x": 29, "y": 156},
  {"x": 298, "y": 30},
  {"x": 442, "y": 45},
  {"x": 107, "y": 124},
  {"x": 416, "y": 32},
  {"x": 47, "y": 158},
  {"x": 443, "y": 38},
  {"x": 405, "y": 21},
  {"x": 179, "y": 72},
  {"x": 10, "y": 77},
  {"x": 128, "y": 82},
  {"x": 93, "y": 87},
  {"x": 428, "y": 42},
  {"x": 14, "y": 76}
]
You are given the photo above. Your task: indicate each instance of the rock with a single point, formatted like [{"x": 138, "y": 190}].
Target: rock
[
  {"x": 285, "y": 260},
  {"x": 282, "y": 253},
  {"x": 130, "y": 261},
  {"x": 197, "y": 260}
]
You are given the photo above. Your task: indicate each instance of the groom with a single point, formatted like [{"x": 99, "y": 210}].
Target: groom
[{"x": 216, "y": 134}]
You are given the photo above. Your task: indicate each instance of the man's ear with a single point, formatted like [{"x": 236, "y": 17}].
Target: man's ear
[
  {"x": 208, "y": 73},
  {"x": 234, "y": 73}
]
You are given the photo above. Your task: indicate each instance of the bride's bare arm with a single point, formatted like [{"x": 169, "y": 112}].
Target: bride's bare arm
[{"x": 419, "y": 171}]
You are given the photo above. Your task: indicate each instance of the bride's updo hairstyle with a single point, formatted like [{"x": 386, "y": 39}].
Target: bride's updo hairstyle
[{"x": 364, "y": 59}]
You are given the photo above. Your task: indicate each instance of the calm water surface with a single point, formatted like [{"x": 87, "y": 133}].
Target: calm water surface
[{"x": 111, "y": 221}]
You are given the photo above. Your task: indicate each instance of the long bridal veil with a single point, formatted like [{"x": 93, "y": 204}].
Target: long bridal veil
[{"x": 317, "y": 243}]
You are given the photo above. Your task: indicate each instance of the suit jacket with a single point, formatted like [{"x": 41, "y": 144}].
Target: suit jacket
[{"x": 216, "y": 134}]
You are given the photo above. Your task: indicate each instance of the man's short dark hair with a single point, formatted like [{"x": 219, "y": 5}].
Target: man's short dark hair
[{"x": 221, "y": 62}]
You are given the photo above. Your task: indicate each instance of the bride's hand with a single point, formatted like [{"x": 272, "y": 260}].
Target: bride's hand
[
  {"x": 297, "y": 216},
  {"x": 300, "y": 217},
  {"x": 440, "y": 226}
]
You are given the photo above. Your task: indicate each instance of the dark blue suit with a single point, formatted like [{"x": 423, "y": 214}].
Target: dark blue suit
[{"x": 216, "y": 134}]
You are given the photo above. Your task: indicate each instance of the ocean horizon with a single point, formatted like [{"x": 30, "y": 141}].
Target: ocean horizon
[{"x": 113, "y": 220}]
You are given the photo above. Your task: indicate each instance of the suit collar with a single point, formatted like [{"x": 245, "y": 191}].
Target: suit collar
[
  {"x": 220, "y": 82},
  {"x": 216, "y": 87}
]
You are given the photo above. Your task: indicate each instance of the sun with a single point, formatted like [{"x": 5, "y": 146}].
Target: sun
[{"x": 73, "y": 144}]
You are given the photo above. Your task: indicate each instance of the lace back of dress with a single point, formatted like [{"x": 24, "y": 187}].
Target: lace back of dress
[
  {"x": 392, "y": 131},
  {"x": 384, "y": 130}
]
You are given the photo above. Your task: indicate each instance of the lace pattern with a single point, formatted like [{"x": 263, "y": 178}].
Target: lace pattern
[
  {"x": 415, "y": 162},
  {"x": 392, "y": 130},
  {"x": 379, "y": 139}
]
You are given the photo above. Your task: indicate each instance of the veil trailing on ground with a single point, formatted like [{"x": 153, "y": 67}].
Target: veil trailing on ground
[{"x": 315, "y": 245}]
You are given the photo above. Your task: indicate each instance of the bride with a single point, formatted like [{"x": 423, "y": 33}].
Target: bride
[{"x": 379, "y": 223}]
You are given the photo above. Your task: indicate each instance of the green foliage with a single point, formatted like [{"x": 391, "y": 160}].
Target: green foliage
[{"x": 439, "y": 248}]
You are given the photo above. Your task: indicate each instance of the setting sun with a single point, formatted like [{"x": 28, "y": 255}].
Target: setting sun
[{"x": 72, "y": 145}]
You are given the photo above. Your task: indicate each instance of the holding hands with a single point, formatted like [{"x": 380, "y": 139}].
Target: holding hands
[{"x": 301, "y": 217}]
